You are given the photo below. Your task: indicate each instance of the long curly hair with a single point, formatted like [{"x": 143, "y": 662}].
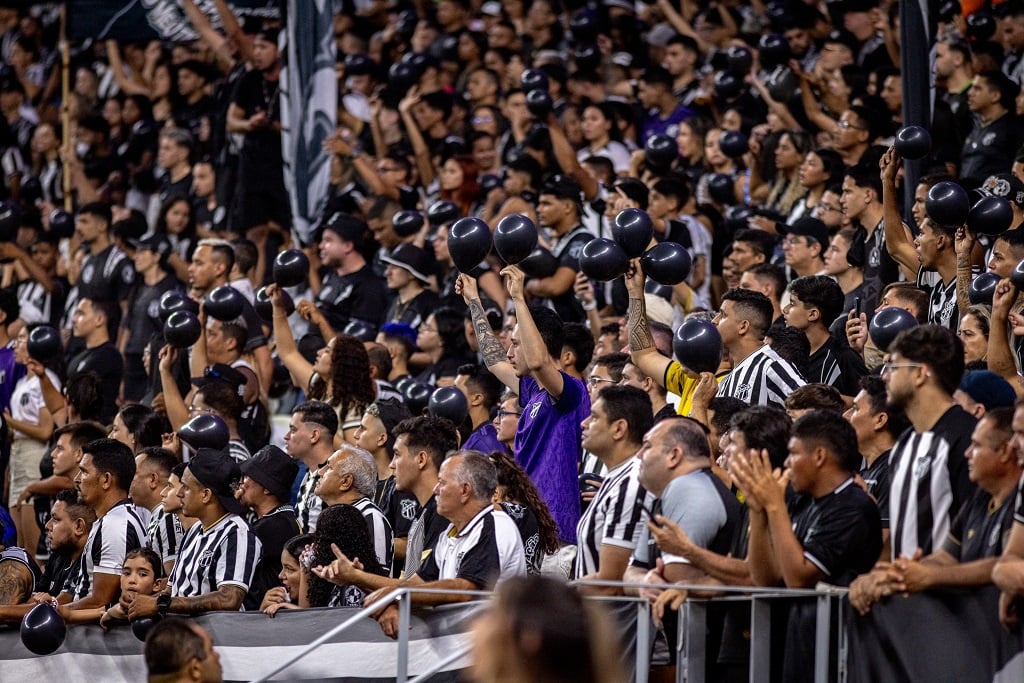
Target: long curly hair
[
  {"x": 520, "y": 489},
  {"x": 344, "y": 526},
  {"x": 350, "y": 386}
]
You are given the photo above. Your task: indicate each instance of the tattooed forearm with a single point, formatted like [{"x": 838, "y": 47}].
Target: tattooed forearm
[
  {"x": 490, "y": 348},
  {"x": 226, "y": 597},
  {"x": 639, "y": 332}
]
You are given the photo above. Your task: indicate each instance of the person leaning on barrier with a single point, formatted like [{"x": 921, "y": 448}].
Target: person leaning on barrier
[
  {"x": 978, "y": 534},
  {"x": 481, "y": 546},
  {"x": 1008, "y": 573},
  {"x": 181, "y": 650}
]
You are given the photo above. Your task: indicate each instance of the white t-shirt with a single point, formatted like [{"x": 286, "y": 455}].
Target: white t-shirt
[{"x": 27, "y": 400}]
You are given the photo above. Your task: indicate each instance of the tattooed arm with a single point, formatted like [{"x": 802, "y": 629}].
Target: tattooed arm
[
  {"x": 490, "y": 348},
  {"x": 642, "y": 350}
]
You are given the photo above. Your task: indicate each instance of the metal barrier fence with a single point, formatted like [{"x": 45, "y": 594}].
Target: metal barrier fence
[{"x": 690, "y": 644}]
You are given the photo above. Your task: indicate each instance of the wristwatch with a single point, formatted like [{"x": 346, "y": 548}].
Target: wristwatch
[{"x": 163, "y": 603}]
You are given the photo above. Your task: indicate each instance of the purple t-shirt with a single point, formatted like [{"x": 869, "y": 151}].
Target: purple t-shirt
[
  {"x": 485, "y": 440},
  {"x": 548, "y": 446}
]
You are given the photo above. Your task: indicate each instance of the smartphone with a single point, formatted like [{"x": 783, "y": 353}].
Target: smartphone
[{"x": 856, "y": 306}]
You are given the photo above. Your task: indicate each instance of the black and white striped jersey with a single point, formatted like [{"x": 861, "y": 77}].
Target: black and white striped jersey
[
  {"x": 110, "y": 539},
  {"x": 165, "y": 533},
  {"x": 942, "y": 307},
  {"x": 614, "y": 517},
  {"x": 928, "y": 483},
  {"x": 226, "y": 553},
  {"x": 761, "y": 378},
  {"x": 308, "y": 506},
  {"x": 380, "y": 532}
]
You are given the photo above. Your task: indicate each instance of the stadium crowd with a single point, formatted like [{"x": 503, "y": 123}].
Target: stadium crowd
[{"x": 388, "y": 419}]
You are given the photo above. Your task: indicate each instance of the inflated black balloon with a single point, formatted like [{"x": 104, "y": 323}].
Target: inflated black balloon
[
  {"x": 983, "y": 288},
  {"x": 668, "y": 263},
  {"x": 443, "y": 212},
  {"x": 736, "y": 218},
  {"x": 402, "y": 76},
  {"x": 403, "y": 382},
  {"x": 142, "y": 626},
  {"x": 43, "y": 630},
  {"x": 515, "y": 238},
  {"x": 31, "y": 190},
  {"x": 44, "y": 343},
  {"x": 176, "y": 301},
  {"x": 265, "y": 309},
  {"x": 291, "y": 268},
  {"x": 584, "y": 25},
  {"x": 360, "y": 329},
  {"x": 539, "y": 103},
  {"x": 533, "y": 79},
  {"x": 888, "y": 323},
  {"x": 740, "y": 59},
  {"x": 980, "y": 26},
  {"x": 657, "y": 289},
  {"x": 947, "y": 10},
  {"x": 727, "y": 85},
  {"x": 733, "y": 144},
  {"x": 782, "y": 84},
  {"x": 661, "y": 150},
  {"x": 913, "y": 142},
  {"x": 602, "y": 259},
  {"x": 205, "y": 431},
  {"x": 182, "y": 329},
  {"x": 407, "y": 222},
  {"x": 224, "y": 303},
  {"x": 587, "y": 57},
  {"x": 62, "y": 223},
  {"x": 1017, "y": 277},
  {"x": 417, "y": 396},
  {"x": 488, "y": 182},
  {"x": 469, "y": 242},
  {"x": 540, "y": 263},
  {"x": 698, "y": 345},
  {"x": 10, "y": 219},
  {"x": 721, "y": 188},
  {"x": 773, "y": 50},
  {"x": 990, "y": 216},
  {"x": 632, "y": 230},
  {"x": 947, "y": 203},
  {"x": 449, "y": 49},
  {"x": 449, "y": 403}
]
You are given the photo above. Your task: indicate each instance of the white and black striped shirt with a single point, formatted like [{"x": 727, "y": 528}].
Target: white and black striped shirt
[
  {"x": 942, "y": 306},
  {"x": 761, "y": 378},
  {"x": 380, "y": 532},
  {"x": 614, "y": 517},
  {"x": 928, "y": 483},
  {"x": 165, "y": 533},
  {"x": 237, "y": 450},
  {"x": 110, "y": 539},
  {"x": 226, "y": 553},
  {"x": 488, "y": 549},
  {"x": 308, "y": 506}
]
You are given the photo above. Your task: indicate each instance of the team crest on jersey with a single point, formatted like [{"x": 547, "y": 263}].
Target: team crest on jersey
[
  {"x": 153, "y": 310},
  {"x": 534, "y": 407},
  {"x": 922, "y": 466},
  {"x": 988, "y": 139},
  {"x": 206, "y": 558},
  {"x": 743, "y": 392},
  {"x": 128, "y": 273},
  {"x": 88, "y": 272},
  {"x": 409, "y": 509}
]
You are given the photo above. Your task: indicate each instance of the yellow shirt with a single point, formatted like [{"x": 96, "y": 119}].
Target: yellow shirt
[{"x": 684, "y": 386}]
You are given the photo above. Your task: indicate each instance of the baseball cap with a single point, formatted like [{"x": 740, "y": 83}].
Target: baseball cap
[
  {"x": 272, "y": 469},
  {"x": 221, "y": 372},
  {"x": 347, "y": 227},
  {"x": 562, "y": 187},
  {"x": 988, "y": 388},
  {"x": 806, "y": 227},
  {"x": 15, "y": 554},
  {"x": 1005, "y": 185},
  {"x": 217, "y": 471},
  {"x": 411, "y": 258},
  {"x": 153, "y": 242}
]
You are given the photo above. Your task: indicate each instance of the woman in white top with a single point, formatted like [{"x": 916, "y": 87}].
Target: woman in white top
[
  {"x": 602, "y": 137},
  {"x": 31, "y": 426}
]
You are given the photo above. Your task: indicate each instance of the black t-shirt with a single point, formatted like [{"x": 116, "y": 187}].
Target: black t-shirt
[
  {"x": 273, "y": 529},
  {"x": 143, "y": 315},
  {"x": 214, "y": 220},
  {"x": 359, "y": 295},
  {"x": 55, "y": 577},
  {"x": 261, "y": 149},
  {"x": 104, "y": 360},
  {"x": 876, "y": 477},
  {"x": 979, "y": 532},
  {"x": 880, "y": 268},
  {"x": 414, "y": 311},
  {"x": 106, "y": 276},
  {"x": 990, "y": 149},
  {"x": 177, "y": 189},
  {"x": 567, "y": 251}
]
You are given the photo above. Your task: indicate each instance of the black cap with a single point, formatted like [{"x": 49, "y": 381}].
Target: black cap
[
  {"x": 1005, "y": 185},
  {"x": 562, "y": 187},
  {"x": 359, "y": 65},
  {"x": 411, "y": 258},
  {"x": 272, "y": 469},
  {"x": 347, "y": 227},
  {"x": 153, "y": 242},
  {"x": 218, "y": 472},
  {"x": 223, "y": 373},
  {"x": 807, "y": 227}
]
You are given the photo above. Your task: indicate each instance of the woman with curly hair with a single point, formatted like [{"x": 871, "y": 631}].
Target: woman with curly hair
[
  {"x": 521, "y": 501},
  {"x": 138, "y": 426},
  {"x": 339, "y": 376},
  {"x": 342, "y": 526}
]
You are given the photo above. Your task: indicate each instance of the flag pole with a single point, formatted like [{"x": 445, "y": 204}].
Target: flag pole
[{"x": 65, "y": 104}]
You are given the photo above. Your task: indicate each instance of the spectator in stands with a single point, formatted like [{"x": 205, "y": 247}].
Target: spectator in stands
[
  {"x": 142, "y": 573},
  {"x": 152, "y": 470},
  {"x": 1008, "y": 573},
  {"x": 180, "y": 649},
  {"x": 814, "y": 397},
  {"x": 67, "y": 532},
  {"x": 983, "y": 390},
  {"x": 18, "y": 576},
  {"x": 93, "y": 323},
  {"x": 168, "y": 543},
  {"x": 770, "y": 280},
  {"x": 310, "y": 441},
  {"x": 286, "y": 595},
  {"x": 483, "y": 392},
  {"x": 350, "y": 289}
]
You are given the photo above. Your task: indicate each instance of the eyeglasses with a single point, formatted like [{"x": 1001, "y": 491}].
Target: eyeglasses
[
  {"x": 889, "y": 368},
  {"x": 200, "y": 409},
  {"x": 594, "y": 381},
  {"x": 792, "y": 240},
  {"x": 823, "y": 207},
  {"x": 483, "y": 119},
  {"x": 506, "y": 413},
  {"x": 843, "y": 125}
]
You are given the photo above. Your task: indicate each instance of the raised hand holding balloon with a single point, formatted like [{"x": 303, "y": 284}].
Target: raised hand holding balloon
[{"x": 469, "y": 242}]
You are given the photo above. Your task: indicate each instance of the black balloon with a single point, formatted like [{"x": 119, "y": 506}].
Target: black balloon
[
  {"x": 142, "y": 626},
  {"x": 587, "y": 57},
  {"x": 224, "y": 303},
  {"x": 980, "y": 26},
  {"x": 44, "y": 343},
  {"x": 449, "y": 403},
  {"x": 361, "y": 330},
  {"x": 533, "y": 79},
  {"x": 668, "y": 263},
  {"x": 443, "y": 212},
  {"x": 469, "y": 242},
  {"x": 661, "y": 150},
  {"x": 913, "y": 142},
  {"x": 721, "y": 188},
  {"x": 403, "y": 382},
  {"x": 176, "y": 301},
  {"x": 182, "y": 329},
  {"x": 603, "y": 259},
  {"x": 515, "y": 238},
  {"x": 990, "y": 216},
  {"x": 407, "y": 222},
  {"x": 291, "y": 268},
  {"x": 888, "y": 323},
  {"x": 1017, "y": 277},
  {"x": 584, "y": 25},
  {"x": 733, "y": 144},
  {"x": 539, "y": 103},
  {"x": 632, "y": 230},
  {"x": 736, "y": 218},
  {"x": 947, "y": 203},
  {"x": 62, "y": 223},
  {"x": 43, "y": 630},
  {"x": 489, "y": 182},
  {"x": 265, "y": 309},
  {"x": 10, "y": 219},
  {"x": 773, "y": 50},
  {"x": 403, "y": 76},
  {"x": 205, "y": 431},
  {"x": 698, "y": 345},
  {"x": 727, "y": 85},
  {"x": 657, "y": 289},
  {"x": 417, "y": 396},
  {"x": 782, "y": 84},
  {"x": 740, "y": 59},
  {"x": 539, "y": 264},
  {"x": 983, "y": 288}
]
